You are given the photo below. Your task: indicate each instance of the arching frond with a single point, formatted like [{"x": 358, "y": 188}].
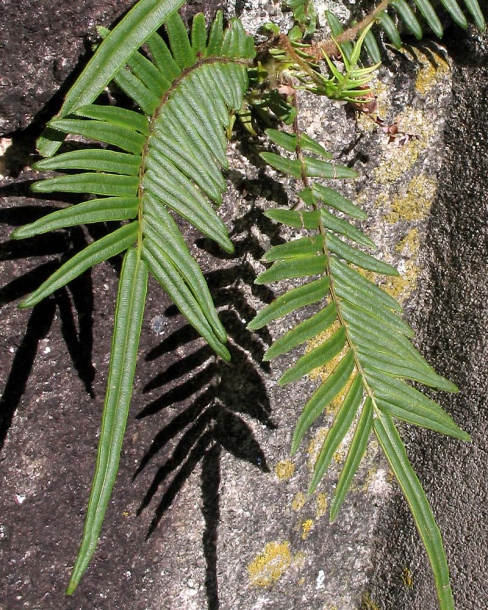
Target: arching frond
[
  {"x": 361, "y": 344},
  {"x": 168, "y": 161}
]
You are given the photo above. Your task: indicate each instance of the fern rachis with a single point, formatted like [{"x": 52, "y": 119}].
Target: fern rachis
[{"x": 171, "y": 162}]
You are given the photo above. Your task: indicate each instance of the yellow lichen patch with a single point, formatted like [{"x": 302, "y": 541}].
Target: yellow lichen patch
[
  {"x": 307, "y": 527},
  {"x": 410, "y": 244},
  {"x": 432, "y": 68},
  {"x": 315, "y": 447},
  {"x": 284, "y": 470},
  {"x": 370, "y": 477},
  {"x": 321, "y": 504},
  {"x": 336, "y": 403},
  {"x": 407, "y": 577},
  {"x": 299, "y": 560},
  {"x": 298, "y": 501},
  {"x": 397, "y": 159},
  {"x": 416, "y": 202},
  {"x": 270, "y": 565},
  {"x": 338, "y": 457},
  {"x": 382, "y": 201},
  {"x": 367, "y": 603},
  {"x": 400, "y": 287}
]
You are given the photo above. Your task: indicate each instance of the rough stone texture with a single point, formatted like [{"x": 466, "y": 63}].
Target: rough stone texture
[
  {"x": 453, "y": 323},
  {"x": 234, "y": 527},
  {"x": 40, "y": 45}
]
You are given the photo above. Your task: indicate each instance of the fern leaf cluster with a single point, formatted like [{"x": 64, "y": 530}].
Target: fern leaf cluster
[
  {"x": 390, "y": 16},
  {"x": 168, "y": 159},
  {"x": 363, "y": 344},
  {"x": 148, "y": 169}
]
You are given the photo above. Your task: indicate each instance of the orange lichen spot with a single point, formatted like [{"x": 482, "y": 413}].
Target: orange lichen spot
[
  {"x": 298, "y": 501},
  {"x": 270, "y": 565},
  {"x": 307, "y": 527},
  {"x": 284, "y": 470},
  {"x": 321, "y": 504}
]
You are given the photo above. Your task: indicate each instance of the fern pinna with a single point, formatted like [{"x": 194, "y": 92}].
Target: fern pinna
[
  {"x": 363, "y": 342},
  {"x": 172, "y": 160}
]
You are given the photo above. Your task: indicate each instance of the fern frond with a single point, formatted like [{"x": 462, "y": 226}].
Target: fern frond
[
  {"x": 132, "y": 31},
  {"x": 169, "y": 160},
  {"x": 429, "y": 13},
  {"x": 388, "y": 16},
  {"x": 394, "y": 450},
  {"x": 363, "y": 352}
]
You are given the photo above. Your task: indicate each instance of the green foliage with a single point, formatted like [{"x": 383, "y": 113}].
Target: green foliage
[
  {"x": 172, "y": 159},
  {"x": 363, "y": 344},
  {"x": 168, "y": 161}
]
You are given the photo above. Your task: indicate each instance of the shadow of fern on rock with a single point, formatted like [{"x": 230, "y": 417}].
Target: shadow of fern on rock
[
  {"x": 73, "y": 304},
  {"x": 217, "y": 403}
]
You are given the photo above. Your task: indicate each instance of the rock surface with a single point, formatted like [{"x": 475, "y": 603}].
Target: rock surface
[
  {"x": 452, "y": 320},
  {"x": 235, "y": 529}
]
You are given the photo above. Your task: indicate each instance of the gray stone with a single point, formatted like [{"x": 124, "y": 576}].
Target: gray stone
[{"x": 452, "y": 321}]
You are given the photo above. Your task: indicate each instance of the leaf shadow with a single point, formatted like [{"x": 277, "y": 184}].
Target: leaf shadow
[
  {"x": 218, "y": 403},
  {"x": 72, "y": 303}
]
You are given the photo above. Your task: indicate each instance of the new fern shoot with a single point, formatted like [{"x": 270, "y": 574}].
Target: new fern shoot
[{"x": 164, "y": 158}]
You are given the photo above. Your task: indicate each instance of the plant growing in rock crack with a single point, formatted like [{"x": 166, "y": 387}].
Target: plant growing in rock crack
[{"x": 166, "y": 159}]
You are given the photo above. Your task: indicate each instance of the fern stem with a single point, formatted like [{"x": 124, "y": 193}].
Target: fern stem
[
  {"x": 329, "y": 46},
  {"x": 328, "y": 270}
]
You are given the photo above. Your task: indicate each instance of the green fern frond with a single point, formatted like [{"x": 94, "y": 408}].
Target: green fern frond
[
  {"x": 132, "y": 31},
  {"x": 170, "y": 160},
  {"x": 363, "y": 343},
  {"x": 390, "y": 15},
  {"x": 428, "y": 13}
]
